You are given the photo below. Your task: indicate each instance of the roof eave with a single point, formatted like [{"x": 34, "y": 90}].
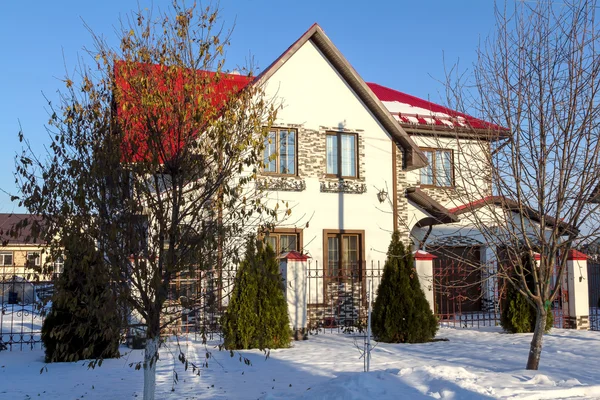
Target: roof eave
[
  {"x": 461, "y": 133},
  {"x": 440, "y": 214}
]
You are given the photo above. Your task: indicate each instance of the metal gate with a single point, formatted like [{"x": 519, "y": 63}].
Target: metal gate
[
  {"x": 469, "y": 294},
  {"x": 23, "y": 306}
]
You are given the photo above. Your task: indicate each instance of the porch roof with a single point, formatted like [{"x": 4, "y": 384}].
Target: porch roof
[
  {"x": 514, "y": 206},
  {"x": 439, "y": 213}
]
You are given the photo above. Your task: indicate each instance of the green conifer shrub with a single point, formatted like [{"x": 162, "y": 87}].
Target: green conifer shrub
[
  {"x": 401, "y": 313},
  {"x": 84, "y": 321},
  {"x": 257, "y": 315},
  {"x": 517, "y": 314}
]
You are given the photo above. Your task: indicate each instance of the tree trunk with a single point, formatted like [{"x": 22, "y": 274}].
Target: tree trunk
[
  {"x": 535, "y": 349},
  {"x": 150, "y": 359}
]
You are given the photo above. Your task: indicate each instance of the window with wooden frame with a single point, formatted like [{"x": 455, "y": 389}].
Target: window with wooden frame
[
  {"x": 440, "y": 170},
  {"x": 6, "y": 258},
  {"x": 342, "y": 155},
  {"x": 280, "y": 156},
  {"x": 343, "y": 253},
  {"x": 34, "y": 258},
  {"x": 283, "y": 240}
]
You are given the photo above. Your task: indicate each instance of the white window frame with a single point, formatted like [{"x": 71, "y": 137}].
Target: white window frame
[
  {"x": 3, "y": 255},
  {"x": 36, "y": 256}
]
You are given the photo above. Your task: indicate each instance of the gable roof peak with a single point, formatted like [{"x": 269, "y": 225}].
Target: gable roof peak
[{"x": 413, "y": 156}]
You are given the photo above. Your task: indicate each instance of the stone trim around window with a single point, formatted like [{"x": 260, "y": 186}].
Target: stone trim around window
[{"x": 281, "y": 184}]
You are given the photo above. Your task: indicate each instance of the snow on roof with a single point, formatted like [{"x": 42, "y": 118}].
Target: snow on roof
[{"x": 412, "y": 110}]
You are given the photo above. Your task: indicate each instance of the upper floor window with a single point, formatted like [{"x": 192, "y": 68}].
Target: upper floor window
[
  {"x": 342, "y": 155},
  {"x": 280, "y": 152},
  {"x": 440, "y": 171},
  {"x": 6, "y": 258}
]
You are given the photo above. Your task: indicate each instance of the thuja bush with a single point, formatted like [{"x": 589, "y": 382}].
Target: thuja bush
[
  {"x": 401, "y": 313},
  {"x": 518, "y": 315},
  {"x": 257, "y": 315},
  {"x": 84, "y": 321}
]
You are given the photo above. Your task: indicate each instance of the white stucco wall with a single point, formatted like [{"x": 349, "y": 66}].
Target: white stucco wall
[{"x": 315, "y": 96}]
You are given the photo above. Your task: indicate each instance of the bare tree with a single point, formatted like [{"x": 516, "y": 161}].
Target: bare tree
[
  {"x": 527, "y": 187},
  {"x": 153, "y": 154}
]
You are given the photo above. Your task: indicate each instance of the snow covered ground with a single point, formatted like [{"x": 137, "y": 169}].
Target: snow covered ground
[{"x": 473, "y": 364}]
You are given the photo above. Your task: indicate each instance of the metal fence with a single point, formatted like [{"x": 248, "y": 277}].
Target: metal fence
[
  {"x": 24, "y": 304},
  {"x": 471, "y": 295},
  {"x": 337, "y": 295}
]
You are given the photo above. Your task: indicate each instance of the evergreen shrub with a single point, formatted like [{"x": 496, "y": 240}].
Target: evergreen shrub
[
  {"x": 518, "y": 315},
  {"x": 84, "y": 321},
  {"x": 401, "y": 313},
  {"x": 257, "y": 315}
]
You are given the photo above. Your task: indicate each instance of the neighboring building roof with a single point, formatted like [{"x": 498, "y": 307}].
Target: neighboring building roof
[
  {"x": 440, "y": 214},
  {"x": 415, "y": 113},
  {"x": 16, "y": 229},
  {"x": 513, "y": 206},
  {"x": 414, "y": 158}
]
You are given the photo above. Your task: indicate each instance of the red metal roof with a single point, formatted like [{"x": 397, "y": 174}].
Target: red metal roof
[
  {"x": 423, "y": 255},
  {"x": 577, "y": 255},
  {"x": 294, "y": 255},
  {"x": 411, "y": 110},
  {"x": 149, "y": 97}
]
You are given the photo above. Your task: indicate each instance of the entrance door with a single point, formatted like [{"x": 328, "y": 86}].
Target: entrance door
[{"x": 344, "y": 288}]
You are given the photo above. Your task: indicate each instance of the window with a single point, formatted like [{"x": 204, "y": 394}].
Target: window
[
  {"x": 440, "y": 171},
  {"x": 34, "y": 258},
  {"x": 342, "y": 155},
  {"x": 343, "y": 254},
  {"x": 283, "y": 240},
  {"x": 59, "y": 264},
  {"x": 280, "y": 152},
  {"x": 6, "y": 258}
]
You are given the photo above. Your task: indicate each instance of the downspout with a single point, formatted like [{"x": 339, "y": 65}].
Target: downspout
[{"x": 394, "y": 186}]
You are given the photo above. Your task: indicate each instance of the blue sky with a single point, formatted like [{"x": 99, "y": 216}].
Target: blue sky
[{"x": 397, "y": 43}]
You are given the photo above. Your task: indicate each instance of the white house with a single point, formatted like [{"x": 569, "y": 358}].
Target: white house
[{"x": 356, "y": 161}]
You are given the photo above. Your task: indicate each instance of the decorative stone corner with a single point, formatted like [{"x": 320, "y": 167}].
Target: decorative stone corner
[
  {"x": 343, "y": 187},
  {"x": 281, "y": 184}
]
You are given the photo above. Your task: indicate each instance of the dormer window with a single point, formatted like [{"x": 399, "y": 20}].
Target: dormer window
[
  {"x": 280, "y": 152},
  {"x": 440, "y": 171}
]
